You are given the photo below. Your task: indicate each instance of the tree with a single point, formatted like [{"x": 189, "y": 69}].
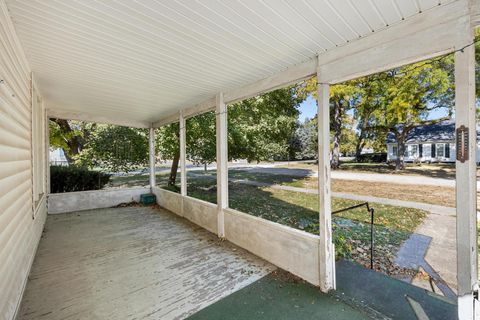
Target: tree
[
  {"x": 343, "y": 97},
  {"x": 259, "y": 128},
  {"x": 201, "y": 139},
  {"x": 116, "y": 148},
  {"x": 167, "y": 146},
  {"x": 307, "y": 137},
  {"x": 263, "y": 127},
  {"x": 70, "y": 136},
  {"x": 409, "y": 94}
]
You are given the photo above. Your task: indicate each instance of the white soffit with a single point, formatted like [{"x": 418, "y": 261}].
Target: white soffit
[{"x": 143, "y": 60}]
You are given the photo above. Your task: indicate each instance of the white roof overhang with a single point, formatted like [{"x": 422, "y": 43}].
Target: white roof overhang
[{"x": 137, "y": 62}]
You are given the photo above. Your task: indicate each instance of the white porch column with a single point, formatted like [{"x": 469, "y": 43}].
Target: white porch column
[
  {"x": 183, "y": 152},
  {"x": 151, "y": 151},
  {"x": 466, "y": 184},
  {"x": 222, "y": 162},
  {"x": 47, "y": 153},
  {"x": 327, "y": 255}
]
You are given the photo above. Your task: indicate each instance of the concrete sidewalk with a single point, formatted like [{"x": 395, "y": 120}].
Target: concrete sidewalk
[{"x": 394, "y": 179}]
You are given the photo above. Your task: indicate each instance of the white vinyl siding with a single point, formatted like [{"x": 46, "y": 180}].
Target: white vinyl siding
[{"x": 19, "y": 232}]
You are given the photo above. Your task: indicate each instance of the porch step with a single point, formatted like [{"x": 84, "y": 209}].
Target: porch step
[{"x": 388, "y": 296}]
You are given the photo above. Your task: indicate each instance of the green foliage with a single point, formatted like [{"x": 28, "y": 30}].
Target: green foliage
[
  {"x": 167, "y": 141},
  {"x": 70, "y": 136},
  {"x": 259, "y": 128},
  {"x": 72, "y": 178},
  {"x": 201, "y": 138},
  {"x": 307, "y": 137},
  {"x": 116, "y": 148},
  {"x": 262, "y": 128},
  {"x": 372, "y": 158}
]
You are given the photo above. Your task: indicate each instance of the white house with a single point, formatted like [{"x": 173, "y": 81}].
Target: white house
[{"x": 428, "y": 143}]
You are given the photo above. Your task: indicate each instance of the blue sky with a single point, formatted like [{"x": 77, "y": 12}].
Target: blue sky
[{"x": 308, "y": 109}]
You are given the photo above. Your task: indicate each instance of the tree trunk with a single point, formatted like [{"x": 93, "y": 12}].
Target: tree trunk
[
  {"x": 70, "y": 160},
  {"x": 173, "y": 170},
  {"x": 360, "y": 143},
  {"x": 337, "y": 131},
  {"x": 400, "y": 160},
  {"x": 74, "y": 142}
]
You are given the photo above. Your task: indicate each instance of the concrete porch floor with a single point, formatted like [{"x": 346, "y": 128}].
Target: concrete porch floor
[{"x": 132, "y": 263}]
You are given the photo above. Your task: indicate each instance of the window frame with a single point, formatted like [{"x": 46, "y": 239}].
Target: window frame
[{"x": 440, "y": 146}]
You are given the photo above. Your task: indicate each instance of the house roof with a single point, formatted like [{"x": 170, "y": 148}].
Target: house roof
[{"x": 442, "y": 131}]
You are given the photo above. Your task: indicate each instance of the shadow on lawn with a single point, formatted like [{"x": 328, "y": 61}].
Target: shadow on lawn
[{"x": 442, "y": 171}]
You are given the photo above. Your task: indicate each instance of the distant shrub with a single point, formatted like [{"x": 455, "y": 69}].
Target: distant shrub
[
  {"x": 373, "y": 157},
  {"x": 71, "y": 178}
]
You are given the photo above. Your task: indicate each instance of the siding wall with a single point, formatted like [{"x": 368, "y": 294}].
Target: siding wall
[{"x": 19, "y": 231}]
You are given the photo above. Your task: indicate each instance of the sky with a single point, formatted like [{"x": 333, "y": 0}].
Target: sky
[{"x": 308, "y": 109}]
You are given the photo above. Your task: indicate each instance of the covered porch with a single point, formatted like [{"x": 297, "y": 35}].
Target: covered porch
[
  {"x": 148, "y": 263},
  {"x": 147, "y": 65}
]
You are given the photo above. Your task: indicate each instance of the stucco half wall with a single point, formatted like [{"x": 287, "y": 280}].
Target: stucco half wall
[{"x": 95, "y": 199}]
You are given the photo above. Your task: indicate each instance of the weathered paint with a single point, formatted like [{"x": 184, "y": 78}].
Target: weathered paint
[
  {"x": 293, "y": 250},
  {"x": 126, "y": 263},
  {"x": 201, "y": 213},
  {"x": 326, "y": 249},
  {"x": 169, "y": 200}
]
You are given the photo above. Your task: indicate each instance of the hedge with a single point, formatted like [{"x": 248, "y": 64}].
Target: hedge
[
  {"x": 71, "y": 178},
  {"x": 373, "y": 157}
]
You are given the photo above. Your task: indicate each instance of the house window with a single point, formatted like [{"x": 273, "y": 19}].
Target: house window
[
  {"x": 413, "y": 151},
  {"x": 427, "y": 150},
  {"x": 440, "y": 150},
  {"x": 394, "y": 150}
]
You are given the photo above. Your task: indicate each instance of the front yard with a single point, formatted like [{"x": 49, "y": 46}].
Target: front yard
[
  {"x": 393, "y": 225},
  {"x": 257, "y": 193}
]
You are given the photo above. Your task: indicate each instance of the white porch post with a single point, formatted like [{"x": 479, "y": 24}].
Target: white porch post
[
  {"x": 326, "y": 254},
  {"x": 183, "y": 145},
  {"x": 151, "y": 150},
  {"x": 47, "y": 154},
  {"x": 466, "y": 184},
  {"x": 222, "y": 162}
]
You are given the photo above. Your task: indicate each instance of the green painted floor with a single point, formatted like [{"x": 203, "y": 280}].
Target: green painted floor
[
  {"x": 389, "y": 296},
  {"x": 278, "y": 296},
  {"x": 361, "y": 294}
]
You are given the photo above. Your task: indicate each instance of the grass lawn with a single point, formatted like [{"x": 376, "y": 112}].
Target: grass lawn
[
  {"x": 393, "y": 225},
  {"x": 433, "y": 170},
  {"x": 129, "y": 181},
  {"x": 442, "y": 196}
]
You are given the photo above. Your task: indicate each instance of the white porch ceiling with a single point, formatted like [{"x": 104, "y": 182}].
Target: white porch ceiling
[{"x": 143, "y": 60}]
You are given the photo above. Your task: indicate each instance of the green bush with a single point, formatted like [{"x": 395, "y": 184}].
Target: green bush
[
  {"x": 380, "y": 157},
  {"x": 71, "y": 178}
]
